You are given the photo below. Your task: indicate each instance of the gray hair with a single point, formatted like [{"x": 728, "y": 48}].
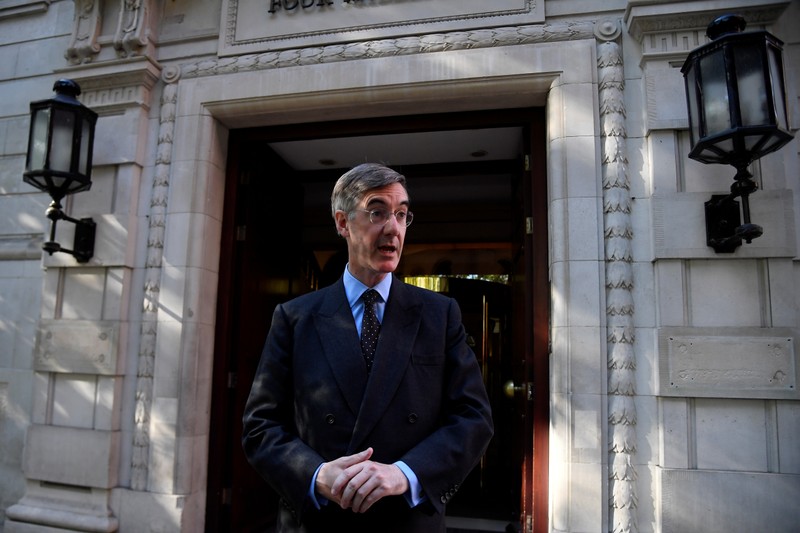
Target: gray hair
[{"x": 354, "y": 183}]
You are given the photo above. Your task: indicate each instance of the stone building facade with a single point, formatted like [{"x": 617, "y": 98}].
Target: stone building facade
[{"x": 670, "y": 390}]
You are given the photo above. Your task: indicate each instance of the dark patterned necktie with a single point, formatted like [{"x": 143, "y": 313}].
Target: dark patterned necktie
[{"x": 370, "y": 327}]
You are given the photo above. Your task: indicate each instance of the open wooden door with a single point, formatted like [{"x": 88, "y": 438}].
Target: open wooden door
[
  {"x": 262, "y": 262},
  {"x": 531, "y": 289}
]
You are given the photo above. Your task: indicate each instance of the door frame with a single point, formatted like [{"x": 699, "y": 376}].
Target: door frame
[
  {"x": 534, "y": 490},
  {"x": 539, "y": 297}
]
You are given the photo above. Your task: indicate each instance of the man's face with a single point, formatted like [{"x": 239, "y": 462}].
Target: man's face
[{"x": 374, "y": 250}]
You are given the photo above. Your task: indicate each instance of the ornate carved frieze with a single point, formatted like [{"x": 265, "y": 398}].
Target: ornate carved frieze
[{"x": 417, "y": 44}]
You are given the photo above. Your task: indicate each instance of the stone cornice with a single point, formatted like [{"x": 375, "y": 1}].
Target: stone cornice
[
  {"x": 645, "y": 17},
  {"x": 112, "y": 86}
]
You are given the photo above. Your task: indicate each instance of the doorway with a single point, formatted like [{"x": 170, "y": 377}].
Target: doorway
[{"x": 474, "y": 181}]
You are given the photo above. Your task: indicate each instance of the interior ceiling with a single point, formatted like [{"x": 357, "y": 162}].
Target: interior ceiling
[
  {"x": 403, "y": 149},
  {"x": 458, "y": 192}
]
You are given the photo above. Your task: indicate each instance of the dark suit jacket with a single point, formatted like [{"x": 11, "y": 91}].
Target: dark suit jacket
[{"x": 312, "y": 401}]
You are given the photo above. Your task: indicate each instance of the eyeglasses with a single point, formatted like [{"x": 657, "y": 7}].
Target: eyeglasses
[{"x": 382, "y": 216}]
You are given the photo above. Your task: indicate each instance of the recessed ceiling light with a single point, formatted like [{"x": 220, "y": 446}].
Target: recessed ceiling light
[
  {"x": 479, "y": 153},
  {"x": 327, "y": 162}
]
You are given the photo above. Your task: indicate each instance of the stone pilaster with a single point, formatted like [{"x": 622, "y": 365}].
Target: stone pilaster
[{"x": 618, "y": 234}]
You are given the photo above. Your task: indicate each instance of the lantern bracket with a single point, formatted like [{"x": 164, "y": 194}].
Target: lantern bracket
[
  {"x": 85, "y": 228},
  {"x": 724, "y": 228}
]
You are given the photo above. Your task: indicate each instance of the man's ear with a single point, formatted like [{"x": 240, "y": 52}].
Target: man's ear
[{"x": 342, "y": 224}]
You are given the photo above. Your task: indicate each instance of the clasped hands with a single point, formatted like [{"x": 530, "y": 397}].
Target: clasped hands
[{"x": 354, "y": 482}]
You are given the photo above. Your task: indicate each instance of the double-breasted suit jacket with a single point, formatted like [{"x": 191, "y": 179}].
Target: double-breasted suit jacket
[{"x": 313, "y": 401}]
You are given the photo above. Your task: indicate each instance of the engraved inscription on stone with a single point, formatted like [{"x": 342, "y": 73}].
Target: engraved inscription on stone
[
  {"x": 261, "y": 25},
  {"x": 705, "y": 365},
  {"x": 78, "y": 346}
]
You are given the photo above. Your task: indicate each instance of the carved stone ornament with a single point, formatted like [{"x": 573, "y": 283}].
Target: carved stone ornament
[
  {"x": 416, "y": 44},
  {"x": 132, "y": 28},
  {"x": 140, "y": 462},
  {"x": 607, "y": 30},
  {"x": 83, "y": 46},
  {"x": 618, "y": 232}
]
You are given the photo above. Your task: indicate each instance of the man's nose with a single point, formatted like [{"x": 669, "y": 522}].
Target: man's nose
[{"x": 392, "y": 225}]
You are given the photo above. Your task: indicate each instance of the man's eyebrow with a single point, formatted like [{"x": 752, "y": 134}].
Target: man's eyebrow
[{"x": 381, "y": 201}]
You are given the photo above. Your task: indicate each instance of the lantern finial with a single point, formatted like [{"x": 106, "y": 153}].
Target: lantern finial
[
  {"x": 68, "y": 87},
  {"x": 725, "y": 24}
]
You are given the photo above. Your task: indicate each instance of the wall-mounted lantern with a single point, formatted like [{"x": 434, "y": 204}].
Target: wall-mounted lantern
[
  {"x": 737, "y": 114},
  {"x": 59, "y": 161}
]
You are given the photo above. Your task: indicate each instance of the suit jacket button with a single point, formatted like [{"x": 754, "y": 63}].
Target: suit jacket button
[
  {"x": 412, "y": 418},
  {"x": 330, "y": 419}
]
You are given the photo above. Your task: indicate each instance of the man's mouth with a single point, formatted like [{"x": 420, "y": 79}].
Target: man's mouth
[{"x": 387, "y": 249}]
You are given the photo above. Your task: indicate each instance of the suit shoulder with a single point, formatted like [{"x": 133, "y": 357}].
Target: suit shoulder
[{"x": 310, "y": 300}]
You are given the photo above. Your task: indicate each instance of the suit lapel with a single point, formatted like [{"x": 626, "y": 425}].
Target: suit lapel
[
  {"x": 340, "y": 343},
  {"x": 399, "y": 329}
]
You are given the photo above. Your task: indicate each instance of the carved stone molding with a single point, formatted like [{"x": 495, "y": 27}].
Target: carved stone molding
[
  {"x": 21, "y": 247},
  {"x": 618, "y": 232},
  {"x": 676, "y": 28},
  {"x": 111, "y": 87},
  {"x": 607, "y": 30},
  {"x": 19, "y": 8},
  {"x": 140, "y": 461},
  {"x": 418, "y": 44}
]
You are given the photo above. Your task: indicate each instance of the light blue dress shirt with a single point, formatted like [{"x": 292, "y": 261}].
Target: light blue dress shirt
[{"x": 353, "y": 289}]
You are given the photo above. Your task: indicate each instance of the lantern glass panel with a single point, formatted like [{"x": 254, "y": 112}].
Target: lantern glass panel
[
  {"x": 776, "y": 83},
  {"x": 38, "y": 140},
  {"x": 773, "y": 144},
  {"x": 692, "y": 92},
  {"x": 59, "y": 183},
  {"x": 752, "y": 85},
  {"x": 718, "y": 151},
  {"x": 86, "y": 142},
  {"x": 61, "y": 146},
  {"x": 751, "y": 141},
  {"x": 716, "y": 107}
]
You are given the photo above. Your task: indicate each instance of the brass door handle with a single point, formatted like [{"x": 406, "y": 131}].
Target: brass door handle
[{"x": 510, "y": 389}]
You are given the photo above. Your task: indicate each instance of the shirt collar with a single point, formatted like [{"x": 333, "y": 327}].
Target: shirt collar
[{"x": 353, "y": 288}]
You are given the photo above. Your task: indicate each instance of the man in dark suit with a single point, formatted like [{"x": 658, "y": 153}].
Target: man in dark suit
[{"x": 358, "y": 438}]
